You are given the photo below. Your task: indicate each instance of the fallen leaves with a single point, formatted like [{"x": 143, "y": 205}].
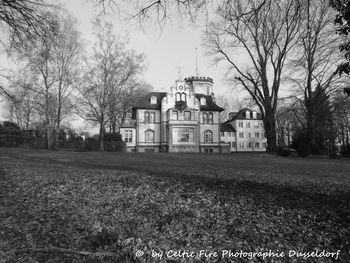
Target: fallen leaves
[{"x": 57, "y": 213}]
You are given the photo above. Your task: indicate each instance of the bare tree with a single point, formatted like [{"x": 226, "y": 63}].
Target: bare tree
[
  {"x": 111, "y": 69},
  {"x": 24, "y": 19},
  {"x": 315, "y": 64},
  {"x": 264, "y": 32},
  {"x": 21, "y": 109},
  {"x": 67, "y": 52},
  {"x": 50, "y": 61},
  {"x": 120, "y": 106},
  {"x": 288, "y": 122},
  {"x": 341, "y": 109},
  {"x": 232, "y": 104},
  {"x": 158, "y": 10}
]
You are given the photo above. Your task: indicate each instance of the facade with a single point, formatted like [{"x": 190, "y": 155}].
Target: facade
[
  {"x": 186, "y": 119},
  {"x": 244, "y": 131}
]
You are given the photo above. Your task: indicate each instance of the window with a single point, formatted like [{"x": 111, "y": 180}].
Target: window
[
  {"x": 254, "y": 114},
  {"x": 147, "y": 119},
  {"x": 205, "y": 118},
  {"x": 257, "y": 145},
  {"x": 210, "y": 118},
  {"x": 153, "y": 100},
  {"x": 175, "y": 115},
  {"x": 256, "y": 124},
  {"x": 222, "y": 134},
  {"x": 240, "y": 124},
  {"x": 187, "y": 115},
  {"x": 241, "y": 135},
  {"x": 208, "y": 136},
  {"x": 180, "y": 96},
  {"x": 149, "y": 136},
  {"x": 229, "y": 134},
  {"x": 128, "y": 136},
  {"x": 256, "y": 135},
  {"x": 203, "y": 101},
  {"x": 247, "y": 114},
  {"x": 233, "y": 144},
  {"x": 249, "y": 145},
  {"x": 149, "y": 150},
  {"x": 183, "y": 135},
  {"x": 264, "y": 144},
  {"x": 247, "y": 125},
  {"x": 152, "y": 117},
  {"x": 241, "y": 145},
  {"x": 249, "y": 135}
]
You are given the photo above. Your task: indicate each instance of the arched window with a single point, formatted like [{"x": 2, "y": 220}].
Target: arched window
[
  {"x": 203, "y": 101},
  {"x": 183, "y": 96},
  {"x": 205, "y": 118},
  {"x": 152, "y": 117},
  {"x": 180, "y": 96},
  {"x": 147, "y": 118},
  {"x": 149, "y": 136},
  {"x": 208, "y": 136},
  {"x": 210, "y": 118}
]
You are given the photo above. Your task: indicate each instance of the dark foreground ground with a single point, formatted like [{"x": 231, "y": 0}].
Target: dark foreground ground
[{"x": 112, "y": 207}]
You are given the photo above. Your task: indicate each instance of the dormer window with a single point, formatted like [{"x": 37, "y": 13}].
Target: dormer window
[
  {"x": 153, "y": 100},
  {"x": 247, "y": 114},
  {"x": 254, "y": 114},
  {"x": 203, "y": 101}
]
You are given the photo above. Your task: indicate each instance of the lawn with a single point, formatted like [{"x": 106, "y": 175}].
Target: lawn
[{"x": 114, "y": 207}]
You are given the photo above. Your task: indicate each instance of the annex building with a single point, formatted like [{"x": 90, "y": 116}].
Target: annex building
[{"x": 185, "y": 119}]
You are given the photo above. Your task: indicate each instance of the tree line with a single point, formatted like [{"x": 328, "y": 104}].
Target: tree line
[
  {"x": 266, "y": 45},
  {"x": 56, "y": 78}
]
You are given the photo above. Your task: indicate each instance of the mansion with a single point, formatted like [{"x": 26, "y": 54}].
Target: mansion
[{"x": 187, "y": 119}]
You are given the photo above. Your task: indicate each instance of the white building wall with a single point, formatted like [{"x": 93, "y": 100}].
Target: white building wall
[{"x": 249, "y": 135}]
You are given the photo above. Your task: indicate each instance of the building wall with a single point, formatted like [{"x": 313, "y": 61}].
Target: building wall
[
  {"x": 143, "y": 125},
  {"x": 130, "y": 146},
  {"x": 230, "y": 139},
  {"x": 249, "y": 135}
]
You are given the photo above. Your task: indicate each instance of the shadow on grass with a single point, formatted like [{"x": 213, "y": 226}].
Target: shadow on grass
[{"x": 263, "y": 194}]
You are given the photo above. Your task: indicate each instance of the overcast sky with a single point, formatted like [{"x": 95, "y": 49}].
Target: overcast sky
[{"x": 170, "y": 52}]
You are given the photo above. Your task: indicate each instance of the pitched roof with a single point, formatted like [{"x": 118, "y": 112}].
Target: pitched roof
[
  {"x": 227, "y": 127},
  {"x": 242, "y": 116},
  {"x": 145, "y": 101},
  {"x": 210, "y": 104}
]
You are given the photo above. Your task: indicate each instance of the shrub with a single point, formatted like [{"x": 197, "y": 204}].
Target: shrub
[
  {"x": 345, "y": 150},
  {"x": 301, "y": 143},
  {"x": 283, "y": 151},
  {"x": 92, "y": 144}
]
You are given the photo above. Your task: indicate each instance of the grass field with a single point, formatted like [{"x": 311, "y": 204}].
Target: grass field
[{"x": 104, "y": 207}]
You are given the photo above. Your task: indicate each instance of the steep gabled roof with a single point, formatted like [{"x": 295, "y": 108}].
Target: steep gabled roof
[
  {"x": 241, "y": 115},
  {"x": 210, "y": 104},
  {"x": 227, "y": 127},
  {"x": 145, "y": 101}
]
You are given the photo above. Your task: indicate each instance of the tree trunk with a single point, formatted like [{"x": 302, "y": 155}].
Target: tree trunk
[
  {"x": 101, "y": 136},
  {"x": 270, "y": 131}
]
